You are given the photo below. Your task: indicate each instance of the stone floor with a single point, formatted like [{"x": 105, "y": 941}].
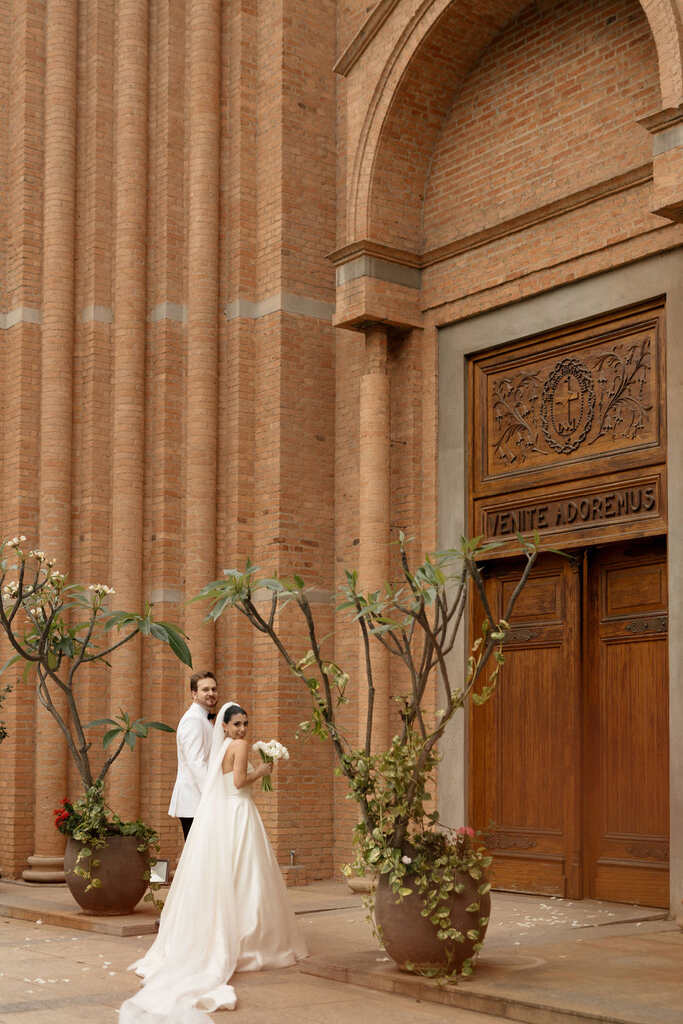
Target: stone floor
[{"x": 545, "y": 961}]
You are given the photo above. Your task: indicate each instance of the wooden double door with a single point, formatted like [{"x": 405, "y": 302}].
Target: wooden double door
[{"x": 569, "y": 759}]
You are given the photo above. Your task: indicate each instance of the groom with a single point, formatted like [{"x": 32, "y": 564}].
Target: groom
[{"x": 193, "y": 740}]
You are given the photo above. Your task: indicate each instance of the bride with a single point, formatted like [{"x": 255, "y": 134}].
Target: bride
[{"x": 227, "y": 908}]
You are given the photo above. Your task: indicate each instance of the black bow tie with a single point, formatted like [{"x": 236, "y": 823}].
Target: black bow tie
[{"x": 212, "y": 716}]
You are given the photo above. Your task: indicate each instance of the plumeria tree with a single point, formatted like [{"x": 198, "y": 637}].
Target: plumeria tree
[
  {"x": 417, "y": 619},
  {"x": 55, "y": 628}
]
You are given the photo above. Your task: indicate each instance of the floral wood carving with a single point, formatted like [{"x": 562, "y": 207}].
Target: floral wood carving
[
  {"x": 622, "y": 376},
  {"x": 658, "y": 624},
  {"x": 574, "y": 402},
  {"x": 505, "y": 841},
  {"x": 649, "y": 851},
  {"x": 516, "y": 401},
  {"x": 521, "y": 635}
]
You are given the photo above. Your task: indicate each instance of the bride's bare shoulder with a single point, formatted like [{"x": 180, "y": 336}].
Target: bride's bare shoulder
[{"x": 235, "y": 749}]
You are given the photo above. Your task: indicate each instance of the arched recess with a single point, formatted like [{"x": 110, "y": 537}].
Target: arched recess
[{"x": 432, "y": 56}]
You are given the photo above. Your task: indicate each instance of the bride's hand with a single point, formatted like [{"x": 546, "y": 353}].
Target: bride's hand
[{"x": 265, "y": 769}]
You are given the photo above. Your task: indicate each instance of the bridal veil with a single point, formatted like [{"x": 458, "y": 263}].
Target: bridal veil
[{"x": 227, "y": 909}]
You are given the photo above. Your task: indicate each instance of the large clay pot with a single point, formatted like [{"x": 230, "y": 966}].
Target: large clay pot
[
  {"x": 410, "y": 938},
  {"x": 122, "y": 869}
]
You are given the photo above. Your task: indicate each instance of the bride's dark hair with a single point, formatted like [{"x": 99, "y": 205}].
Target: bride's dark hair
[{"x": 233, "y": 710}]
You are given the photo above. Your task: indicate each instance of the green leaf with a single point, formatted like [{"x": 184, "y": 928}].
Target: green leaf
[
  {"x": 158, "y": 631},
  {"x": 219, "y": 607},
  {"x": 404, "y": 891},
  {"x": 100, "y": 721},
  {"x": 140, "y": 729},
  {"x": 15, "y": 657},
  {"x": 130, "y": 740},
  {"x": 161, "y": 726},
  {"x": 109, "y": 736},
  {"x": 120, "y": 618},
  {"x": 177, "y": 644}
]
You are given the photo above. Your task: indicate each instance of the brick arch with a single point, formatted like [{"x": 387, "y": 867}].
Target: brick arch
[{"x": 431, "y": 58}]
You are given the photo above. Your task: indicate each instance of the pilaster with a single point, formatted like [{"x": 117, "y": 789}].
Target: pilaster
[{"x": 57, "y": 332}]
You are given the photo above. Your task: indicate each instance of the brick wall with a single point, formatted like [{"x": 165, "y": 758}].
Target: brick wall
[
  {"x": 214, "y": 410},
  {"x": 549, "y": 109},
  {"x": 253, "y": 104}
]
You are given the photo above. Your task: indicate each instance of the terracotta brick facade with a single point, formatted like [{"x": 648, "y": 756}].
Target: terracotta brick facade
[{"x": 185, "y": 385}]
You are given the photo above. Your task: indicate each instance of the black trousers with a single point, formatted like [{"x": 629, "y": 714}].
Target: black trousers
[{"x": 186, "y": 825}]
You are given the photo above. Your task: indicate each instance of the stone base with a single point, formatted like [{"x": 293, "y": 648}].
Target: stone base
[
  {"x": 294, "y": 874},
  {"x": 44, "y": 869},
  {"x": 361, "y": 884}
]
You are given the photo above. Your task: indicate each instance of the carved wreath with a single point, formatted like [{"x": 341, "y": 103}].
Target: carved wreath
[{"x": 568, "y": 368}]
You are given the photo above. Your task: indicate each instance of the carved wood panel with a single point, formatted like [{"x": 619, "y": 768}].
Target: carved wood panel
[
  {"x": 524, "y": 741},
  {"x": 626, "y": 721},
  {"x": 579, "y": 401},
  {"x": 608, "y": 507}
]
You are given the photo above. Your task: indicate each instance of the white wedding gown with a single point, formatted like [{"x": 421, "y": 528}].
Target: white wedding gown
[{"x": 226, "y": 911}]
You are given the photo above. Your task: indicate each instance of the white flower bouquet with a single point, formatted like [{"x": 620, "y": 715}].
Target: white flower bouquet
[{"x": 270, "y": 752}]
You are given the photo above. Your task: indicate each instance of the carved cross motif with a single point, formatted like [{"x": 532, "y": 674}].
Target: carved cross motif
[{"x": 564, "y": 396}]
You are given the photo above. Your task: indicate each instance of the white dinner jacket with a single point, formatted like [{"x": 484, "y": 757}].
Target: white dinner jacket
[{"x": 193, "y": 740}]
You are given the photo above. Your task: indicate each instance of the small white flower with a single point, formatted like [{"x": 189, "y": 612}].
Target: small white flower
[
  {"x": 406, "y": 860},
  {"x": 40, "y": 555},
  {"x": 101, "y": 589}
]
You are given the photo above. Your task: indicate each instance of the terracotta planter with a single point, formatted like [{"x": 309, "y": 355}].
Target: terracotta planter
[
  {"x": 410, "y": 938},
  {"x": 122, "y": 869}
]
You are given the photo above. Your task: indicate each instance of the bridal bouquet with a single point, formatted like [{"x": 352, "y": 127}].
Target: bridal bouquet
[{"x": 270, "y": 752}]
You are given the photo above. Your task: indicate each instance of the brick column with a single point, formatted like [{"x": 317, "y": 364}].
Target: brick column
[
  {"x": 46, "y": 864},
  {"x": 23, "y": 153},
  {"x": 204, "y": 76},
  {"x": 375, "y": 484},
  {"x": 129, "y": 290},
  {"x": 164, "y": 685}
]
